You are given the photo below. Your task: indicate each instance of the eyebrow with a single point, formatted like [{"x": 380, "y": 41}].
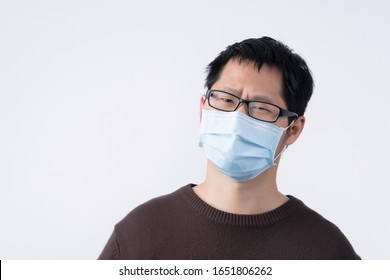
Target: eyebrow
[{"x": 257, "y": 97}]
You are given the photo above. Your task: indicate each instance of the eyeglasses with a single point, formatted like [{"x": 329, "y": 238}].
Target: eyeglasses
[{"x": 259, "y": 110}]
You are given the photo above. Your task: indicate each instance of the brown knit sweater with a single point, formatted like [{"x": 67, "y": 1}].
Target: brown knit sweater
[{"x": 181, "y": 226}]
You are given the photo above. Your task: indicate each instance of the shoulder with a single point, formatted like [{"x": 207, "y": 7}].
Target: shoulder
[
  {"x": 311, "y": 219},
  {"x": 322, "y": 234},
  {"x": 136, "y": 232},
  {"x": 153, "y": 211}
]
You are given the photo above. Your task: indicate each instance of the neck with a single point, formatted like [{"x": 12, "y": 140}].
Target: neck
[{"x": 256, "y": 196}]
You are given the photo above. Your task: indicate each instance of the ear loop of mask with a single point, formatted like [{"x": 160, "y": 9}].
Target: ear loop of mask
[{"x": 285, "y": 147}]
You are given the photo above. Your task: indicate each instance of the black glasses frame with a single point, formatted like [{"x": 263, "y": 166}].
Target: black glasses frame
[{"x": 282, "y": 112}]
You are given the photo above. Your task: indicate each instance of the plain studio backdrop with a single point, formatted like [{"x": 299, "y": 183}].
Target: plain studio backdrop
[{"x": 99, "y": 112}]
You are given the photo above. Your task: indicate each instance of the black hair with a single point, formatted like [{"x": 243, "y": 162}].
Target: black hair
[{"x": 297, "y": 79}]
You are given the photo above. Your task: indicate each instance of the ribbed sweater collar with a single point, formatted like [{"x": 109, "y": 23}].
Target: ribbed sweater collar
[{"x": 255, "y": 220}]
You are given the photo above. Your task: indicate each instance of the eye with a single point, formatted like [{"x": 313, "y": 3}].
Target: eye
[
  {"x": 223, "y": 101},
  {"x": 260, "y": 108},
  {"x": 222, "y": 97},
  {"x": 227, "y": 100}
]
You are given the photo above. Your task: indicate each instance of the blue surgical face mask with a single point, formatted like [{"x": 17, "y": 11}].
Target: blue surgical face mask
[{"x": 239, "y": 146}]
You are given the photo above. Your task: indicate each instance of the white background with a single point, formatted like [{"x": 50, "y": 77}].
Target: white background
[{"x": 99, "y": 112}]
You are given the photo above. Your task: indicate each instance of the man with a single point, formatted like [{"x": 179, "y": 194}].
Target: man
[{"x": 254, "y": 108}]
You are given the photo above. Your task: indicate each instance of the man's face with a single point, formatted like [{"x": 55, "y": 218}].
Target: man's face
[{"x": 245, "y": 81}]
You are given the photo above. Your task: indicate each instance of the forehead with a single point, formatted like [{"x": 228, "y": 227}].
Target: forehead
[{"x": 245, "y": 80}]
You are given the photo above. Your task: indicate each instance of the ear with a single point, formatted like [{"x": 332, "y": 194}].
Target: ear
[
  {"x": 202, "y": 100},
  {"x": 295, "y": 130},
  {"x": 201, "y": 105}
]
